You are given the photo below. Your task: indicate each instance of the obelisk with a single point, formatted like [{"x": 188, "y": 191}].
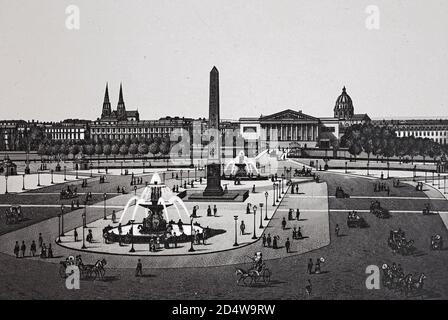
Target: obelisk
[{"x": 214, "y": 147}]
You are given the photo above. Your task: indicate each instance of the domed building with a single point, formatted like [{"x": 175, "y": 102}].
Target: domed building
[{"x": 343, "y": 108}]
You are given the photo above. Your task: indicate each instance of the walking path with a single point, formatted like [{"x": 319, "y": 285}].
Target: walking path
[{"x": 315, "y": 228}]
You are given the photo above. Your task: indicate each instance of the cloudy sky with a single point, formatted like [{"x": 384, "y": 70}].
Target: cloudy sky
[{"x": 271, "y": 54}]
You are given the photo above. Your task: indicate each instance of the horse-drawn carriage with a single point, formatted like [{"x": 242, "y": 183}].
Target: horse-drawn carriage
[
  {"x": 86, "y": 271},
  {"x": 259, "y": 272},
  {"x": 395, "y": 279},
  {"x": 340, "y": 194},
  {"x": 68, "y": 193},
  {"x": 356, "y": 221},
  {"x": 436, "y": 242},
  {"x": 427, "y": 210},
  {"x": 378, "y": 211},
  {"x": 398, "y": 243},
  {"x": 13, "y": 215}
]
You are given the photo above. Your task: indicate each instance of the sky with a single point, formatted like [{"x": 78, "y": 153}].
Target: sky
[{"x": 271, "y": 54}]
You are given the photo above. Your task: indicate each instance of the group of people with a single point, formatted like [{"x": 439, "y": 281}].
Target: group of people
[
  {"x": 317, "y": 266},
  {"x": 70, "y": 192},
  {"x": 13, "y": 215},
  {"x": 381, "y": 186},
  {"x": 294, "y": 188},
  {"x": 44, "y": 251},
  {"x": 291, "y": 214},
  {"x": 271, "y": 241},
  {"x": 121, "y": 190}
]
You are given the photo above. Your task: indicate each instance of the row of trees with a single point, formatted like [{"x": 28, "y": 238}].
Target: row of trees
[
  {"x": 383, "y": 141},
  {"x": 134, "y": 147}
]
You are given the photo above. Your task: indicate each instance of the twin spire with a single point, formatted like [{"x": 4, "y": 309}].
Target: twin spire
[{"x": 107, "y": 110}]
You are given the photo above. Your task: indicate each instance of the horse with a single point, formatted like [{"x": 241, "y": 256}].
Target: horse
[
  {"x": 418, "y": 285},
  {"x": 98, "y": 268}
]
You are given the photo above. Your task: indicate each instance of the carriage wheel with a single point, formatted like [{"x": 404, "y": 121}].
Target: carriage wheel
[
  {"x": 247, "y": 280},
  {"x": 62, "y": 272},
  {"x": 267, "y": 276}
]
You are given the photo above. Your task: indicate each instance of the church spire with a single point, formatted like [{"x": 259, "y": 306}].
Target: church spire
[
  {"x": 121, "y": 109},
  {"x": 106, "y": 103}
]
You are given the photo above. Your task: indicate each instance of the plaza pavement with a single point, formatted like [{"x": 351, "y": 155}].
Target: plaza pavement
[
  {"x": 15, "y": 183},
  {"x": 314, "y": 227}
]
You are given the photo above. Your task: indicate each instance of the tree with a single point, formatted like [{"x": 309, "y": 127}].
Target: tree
[
  {"x": 115, "y": 150},
  {"x": 154, "y": 148},
  {"x": 165, "y": 149},
  {"x": 89, "y": 149},
  {"x": 107, "y": 150},
  {"x": 41, "y": 150},
  {"x": 98, "y": 151},
  {"x": 143, "y": 149},
  {"x": 124, "y": 150},
  {"x": 133, "y": 149},
  {"x": 74, "y": 150}
]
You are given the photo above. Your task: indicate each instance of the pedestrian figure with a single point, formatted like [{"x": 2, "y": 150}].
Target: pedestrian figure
[
  {"x": 336, "y": 230},
  {"x": 310, "y": 266},
  {"x": 297, "y": 214},
  {"x": 139, "y": 269},
  {"x": 275, "y": 242},
  {"x": 283, "y": 223},
  {"x": 264, "y": 240},
  {"x": 242, "y": 227},
  {"x": 299, "y": 233},
  {"x": 268, "y": 240},
  {"x": 75, "y": 235},
  {"x": 175, "y": 240},
  {"x": 253, "y": 189},
  {"x": 114, "y": 216},
  {"x": 290, "y": 214},
  {"x": 215, "y": 210},
  {"x": 23, "y": 249},
  {"x": 294, "y": 233},
  {"x": 317, "y": 266},
  {"x": 287, "y": 245},
  {"x": 50, "y": 251},
  {"x": 40, "y": 240},
  {"x": 308, "y": 288},
  {"x": 248, "y": 208},
  {"x": 16, "y": 249},
  {"x": 209, "y": 211},
  {"x": 33, "y": 248}
]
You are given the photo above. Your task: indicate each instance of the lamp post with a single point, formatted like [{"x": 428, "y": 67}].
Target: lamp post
[
  {"x": 76, "y": 168},
  {"x": 345, "y": 166},
  {"x": 191, "y": 234},
  {"x": 59, "y": 228},
  {"x": 38, "y": 178},
  {"x": 6, "y": 182},
  {"x": 121, "y": 168},
  {"x": 261, "y": 215},
  {"x": 62, "y": 220},
  {"x": 84, "y": 217},
  {"x": 65, "y": 173},
  {"x": 23, "y": 182},
  {"x": 91, "y": 169},
  {"x": 132, "y": 236},
  {"x": 195, "y": 179},
  {"x": 426, "y": 173},
  {"x": 104, "y": 197},
  {"x": 181, "y": 177},
  {"x": 438, "y": 180},
  {"x": 51, "y": 172},
  {"x": 278, "y": 192},
  {"x": 444, "y": 184},
  {"x": 266, "y": 206},
  {"x": 255, "y": 213},
  {"x": 367, "y": 168},
  {"x": 188, "y": 177},
  {"x": 433, "y": 178},
  {"x": 388, "y": 167},
  {"x": 236, "y": 231},
  {"x": 283, "y": 177},
  {"x": 273, "y": 198}
]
